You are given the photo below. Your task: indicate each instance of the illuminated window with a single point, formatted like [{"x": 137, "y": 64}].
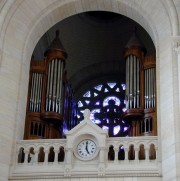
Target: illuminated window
[{"x": 107, "y": 104}]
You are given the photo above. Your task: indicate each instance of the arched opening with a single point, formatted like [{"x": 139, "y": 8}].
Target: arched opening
[
  {"x": 131, "y": 153},
  {"x": 117, "y": 98},
  {"x": 121, "y": 153},
  {"x": 61, "y": 154},
  {"x": 152, "y": 152},
  {"x": 21, "y": 155},
  {"x": 41, "y": 155},
  {"x": 111, "y": 153},
  {"x": 51, "y": 155},
  {"x": 31, "y": 155},
  {"x": 141, "y": 152},
  {"x": 30, "y": 33}
]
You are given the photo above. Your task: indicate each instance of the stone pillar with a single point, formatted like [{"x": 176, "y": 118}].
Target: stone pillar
[
  {"x": 136, "y": 154},
  {"x": 116, "y": 150},
  {"x": 126, "y": 150},
  {"x": 26, "y": 152},
  {"x": 36, "y": 152},
  {"x": 101, "y": 166},
  {"x": 68, "y": 160},
  {"x": 147, "y": 154},
  {"x": 46, "y": 151},
  {"x": 56, "y": 151}
]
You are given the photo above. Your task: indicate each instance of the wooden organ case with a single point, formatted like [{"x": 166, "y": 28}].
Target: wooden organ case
[
  {"x": 50, "y": 95},
  {"x": 140, "y": 89}
]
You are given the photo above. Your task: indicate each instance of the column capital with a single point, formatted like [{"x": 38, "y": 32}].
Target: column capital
[{"x": 176, "y": 44}]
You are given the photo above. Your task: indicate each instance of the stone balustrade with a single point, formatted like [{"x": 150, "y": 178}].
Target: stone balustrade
[{"x": 120, "y": 156}]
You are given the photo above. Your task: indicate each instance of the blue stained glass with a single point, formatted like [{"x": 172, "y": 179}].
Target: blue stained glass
[
  {"x": 115, "y": 99},
  {"x": 122, "y": 147},
  {"x": 87, "y": 102},
  {"x": 123, "y": 86},
  {"x": 125, "y": 128},
  {"x": 117, "y": 89},
  {"x": 99, "y": 87},
  {"x": 95, "y": 94},
  {"x": 97, "y": 103},
  {"x": 124, "y": 109},
  {"x": 105, "y": 128},
  {"x": 87, "y": 94},
  {"x": 106, "y": 90},
  {"x": 82, "y": 111},
  {"x": 116, "y": 130},
  {"x": 112, "y": 84},
  {"x": 92, "y": 118},
  {"x": 80, "y": 104}
]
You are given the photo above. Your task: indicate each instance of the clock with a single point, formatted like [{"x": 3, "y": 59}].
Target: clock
[{"x": 86, "y": 149}]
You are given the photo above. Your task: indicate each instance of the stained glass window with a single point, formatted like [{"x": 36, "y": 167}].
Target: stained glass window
[{"x": 107, "y": 104}]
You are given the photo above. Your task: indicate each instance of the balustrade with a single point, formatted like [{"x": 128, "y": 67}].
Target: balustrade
[
  {"x": 54, "y": 156},
  {"x": 54, "y": 151}
]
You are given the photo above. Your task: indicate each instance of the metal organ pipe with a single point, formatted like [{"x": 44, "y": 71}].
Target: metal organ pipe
[
  {"x": 35, "y": 94},
  {"x": 57, "y": 88},
  {"x": 149, "y": 86},
  {"x": 154, "y": 93},
  {"x": 131, "y": 80},
  {"x": 47, "y": 88},
  {"x": 149, "y": 91},
  {"x": 32, "y": 93},
  {"x": 134, "y": 82},
  {"x": 50, "y": 89},
  {"x": 127, "y": 83},
  {"x": 60, "y": 88},
  {"x": 54, "y": 85},
  {"x": 145, "y": 89},
  {"x": 138, "y": 91}
]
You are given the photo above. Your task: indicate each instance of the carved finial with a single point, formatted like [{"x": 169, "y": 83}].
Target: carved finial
[{"x": 87, "y": 114}]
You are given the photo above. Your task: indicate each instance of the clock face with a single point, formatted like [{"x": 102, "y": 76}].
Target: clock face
[{"x": 86, "y": 148}]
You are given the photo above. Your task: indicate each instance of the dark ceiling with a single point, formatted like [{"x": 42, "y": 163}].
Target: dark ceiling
[{"x": 94, "y": 42}]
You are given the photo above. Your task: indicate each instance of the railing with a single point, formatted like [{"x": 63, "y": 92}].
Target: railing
[{"x": 132, "y": 156}]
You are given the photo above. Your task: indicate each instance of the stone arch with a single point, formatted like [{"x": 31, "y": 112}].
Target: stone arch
[
  {"x": 44, "y": 18},
  {"x": 22, "y": 29}
]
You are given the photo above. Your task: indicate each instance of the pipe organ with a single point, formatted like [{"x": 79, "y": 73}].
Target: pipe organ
[
  {"x": 140, "y": 89},
  {"x": 50, "y": 95}
]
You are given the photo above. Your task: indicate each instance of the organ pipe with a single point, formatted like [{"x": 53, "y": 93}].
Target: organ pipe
[
  {"x": 132, "y": 82},
  {"x": 35, "y": 92},
  {"x": 149, "y": 92},
  {"x": 138, "y": 91},
  {"x": 46, "y": 93}
]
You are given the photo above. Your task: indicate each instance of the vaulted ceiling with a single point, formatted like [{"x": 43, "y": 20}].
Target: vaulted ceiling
[{"x": 94, "y": 42}]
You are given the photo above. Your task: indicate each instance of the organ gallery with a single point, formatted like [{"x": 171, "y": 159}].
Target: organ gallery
[{"x": 52, "y": 109}]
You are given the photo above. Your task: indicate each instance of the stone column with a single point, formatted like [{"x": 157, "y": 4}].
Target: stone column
[
  {"x": 126, "y": 150},
  {"x": 116, "y": 150},
  {"x": 46, "y": 151},
  {"x": 136, "y": 154},
  {"x": 36, "y": 152},
  {"x": 26, "y": 152},
  {"x": 68, "y": 161},
  {"x": 147, "y": 154},
  {"x": 56, "y": 151}
]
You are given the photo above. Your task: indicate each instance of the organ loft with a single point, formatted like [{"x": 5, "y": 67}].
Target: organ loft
[{"x": 51, "y": 107}]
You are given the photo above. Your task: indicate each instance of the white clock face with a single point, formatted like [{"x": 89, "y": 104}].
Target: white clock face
[{"x": 86, "y": 148}]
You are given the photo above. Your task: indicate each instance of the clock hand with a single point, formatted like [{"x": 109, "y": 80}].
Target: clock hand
[{"x": 87, "y": 147}]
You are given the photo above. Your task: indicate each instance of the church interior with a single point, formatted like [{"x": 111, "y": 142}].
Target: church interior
[{"x": 93, "y": 90}]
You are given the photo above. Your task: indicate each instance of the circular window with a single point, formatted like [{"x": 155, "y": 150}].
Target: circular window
[{"x": 106, "y": 103}]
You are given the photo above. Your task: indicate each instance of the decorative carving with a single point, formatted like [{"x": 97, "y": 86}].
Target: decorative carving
[{"x": 87, "y": 114}]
